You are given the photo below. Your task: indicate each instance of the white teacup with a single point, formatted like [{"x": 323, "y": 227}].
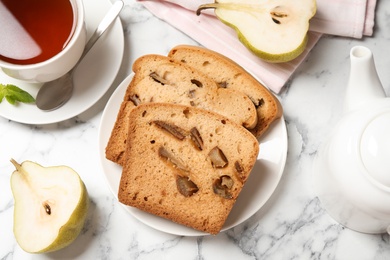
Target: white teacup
[{"x": 57, "y": 65}]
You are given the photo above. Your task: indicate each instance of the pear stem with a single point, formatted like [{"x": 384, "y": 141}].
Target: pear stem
[
  {"x": 16, "y": 164},
  {"x": 206, "y": 6},
  {"x": 249, "y": 8},
  {"x": 20, "y": 169}
]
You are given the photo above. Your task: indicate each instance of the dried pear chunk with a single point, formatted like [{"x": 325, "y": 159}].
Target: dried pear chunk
[
  {"x": 239, "y": 171},
  {"x": 218, "y": 158},
  {"x": 163, "y": 153},
  {"x": 135, "y": 99},
  {"x": 185, "y": 186},
  {"x": 174, "y": 130},
  {"x": 222, "y": 186},
  {"x": 197, "y": 83},
  {"x": 196, "y": 138},
  {"x": 158, "y": 78}
]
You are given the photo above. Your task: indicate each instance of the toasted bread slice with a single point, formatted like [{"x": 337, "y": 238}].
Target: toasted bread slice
[
  {"x": 185, "y": 164},
  {"x": 161, "y": 79},
  {"x": 229, "y": 74}
]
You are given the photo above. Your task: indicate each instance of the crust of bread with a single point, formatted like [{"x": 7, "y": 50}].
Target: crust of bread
[
  {"x": 228, "y": 73},
  {"x": 149, "y": 180},
  {"x": 116, "y": 145},
  {"x": 175, "y": 82}
]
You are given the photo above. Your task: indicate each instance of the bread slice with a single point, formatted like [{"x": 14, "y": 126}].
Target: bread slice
[
  {"x": 116, "y": 145},
  {"x": 161, "y": 79},
  {"x": 185, "y": 164},
  {"x": 229, "y": 74},
  {"x": 158, "y": 78}
]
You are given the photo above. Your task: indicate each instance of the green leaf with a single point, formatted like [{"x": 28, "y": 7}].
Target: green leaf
[
  {"x": 14, "y": 94},
  {"x": 10, "y": 100}
]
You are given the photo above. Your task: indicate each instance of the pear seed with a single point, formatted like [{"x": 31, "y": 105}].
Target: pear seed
[
  {"x": 218, "y": 158},
  {"x": 276, "y": 21},
  {"x": 47, "y": 208}
]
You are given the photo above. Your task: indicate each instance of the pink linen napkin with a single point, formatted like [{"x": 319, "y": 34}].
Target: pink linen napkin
[{"x": 349, "y": 18}]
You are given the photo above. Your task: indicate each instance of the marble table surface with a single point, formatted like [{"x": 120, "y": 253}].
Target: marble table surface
[{"x": 291, "y": 225}]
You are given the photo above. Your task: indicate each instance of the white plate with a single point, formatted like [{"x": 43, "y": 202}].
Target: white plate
[
  {"x": 258, "y": 189},
  {"x": 93, "y": 77}
]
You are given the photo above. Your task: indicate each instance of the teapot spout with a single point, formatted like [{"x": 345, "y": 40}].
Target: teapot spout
[{"x": 364, "y": 84}]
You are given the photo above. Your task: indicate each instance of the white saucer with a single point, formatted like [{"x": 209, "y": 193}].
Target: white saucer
[
  {"x": 262, "y": 182},
  {"x": 93, "y": 76}
]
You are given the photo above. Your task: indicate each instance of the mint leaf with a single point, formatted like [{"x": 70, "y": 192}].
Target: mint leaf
[
  {"x": 10, "y": 100},
  {"x": 14, "y": 94}
]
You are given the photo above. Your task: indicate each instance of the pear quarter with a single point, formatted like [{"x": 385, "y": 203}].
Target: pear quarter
[{"x": 51, "y": 204}]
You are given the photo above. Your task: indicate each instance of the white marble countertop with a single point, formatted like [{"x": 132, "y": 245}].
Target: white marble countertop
[{"x": 292, "y": 224}]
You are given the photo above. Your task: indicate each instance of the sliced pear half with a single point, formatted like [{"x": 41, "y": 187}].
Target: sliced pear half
[
  {"x": 274, "y": 30},
  {"x": 51, "y": 205}
]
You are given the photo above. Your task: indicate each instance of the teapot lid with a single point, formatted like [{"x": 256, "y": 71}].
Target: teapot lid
[{"x": 375, "y": 148}]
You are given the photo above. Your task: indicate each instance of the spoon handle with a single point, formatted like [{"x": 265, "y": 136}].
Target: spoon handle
[{"x": 103, "y": 25}]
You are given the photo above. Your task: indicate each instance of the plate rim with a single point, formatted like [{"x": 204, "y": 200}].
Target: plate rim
[{"x": 134, "y": 212}]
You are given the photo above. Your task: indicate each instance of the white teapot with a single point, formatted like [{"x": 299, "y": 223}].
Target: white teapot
[{"x": 351, "y": 171}]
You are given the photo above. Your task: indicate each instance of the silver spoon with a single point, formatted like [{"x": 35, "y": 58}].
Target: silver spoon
[{"x": 54, "y": 94}]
